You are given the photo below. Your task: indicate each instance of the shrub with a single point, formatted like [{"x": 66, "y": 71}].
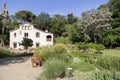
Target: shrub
[
  {"x": 45, "y": 53},
  {"x": 78, "y": 75},
  {"x": 82, "y": 46},
  {"x": 36, "y": 51},
  {"x": 82, "y": 66},
  {"x": 54, "y": 68},
  {"x": 5, "y": 53},
  {"x": 41, "y": 77},
  {"x": 80, "y": 55},
  {"x": 99, "y": 47},
  {"x": 105, "y": 75},
  {"x": 92, "y": 45},
  {"x": 59, "y": 48},
  {"x": 49, "y": 52},
  {"x": 61, "y": 40},
  {"x": 86, "y": 46},
  {"x": 23, "y": 54},
  {"x": 72, "y": 47},
  {"x": 91, "y": 58},
  {"x": 85, "y": 56},
  {"x": 109, "y": 62}
]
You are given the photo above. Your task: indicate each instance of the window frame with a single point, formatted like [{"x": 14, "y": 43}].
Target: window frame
[
  {"x": 48, "y": 38},
  {"x": 37, "y": 34},
  {"x": 14, "y": 44},
  {"x": 37, "y": 44},
  {"x": 26, "y": 34},
  {"x": 15, "y": 35}
]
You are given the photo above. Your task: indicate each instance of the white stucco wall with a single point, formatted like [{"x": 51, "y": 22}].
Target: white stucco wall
[{"x": 31, "y": 35}]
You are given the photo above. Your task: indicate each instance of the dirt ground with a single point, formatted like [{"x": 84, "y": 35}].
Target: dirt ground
[{"x": 18, "y": 68}]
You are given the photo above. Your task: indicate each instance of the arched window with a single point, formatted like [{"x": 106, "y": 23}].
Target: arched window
[
  {"x": 37, "y": 34},
  {"x": 48, "y": 38},
  {"x": 23, "y": 27},
  {"x": 26, "y": 27}
]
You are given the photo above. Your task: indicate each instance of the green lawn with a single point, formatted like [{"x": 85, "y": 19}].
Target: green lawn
[
  {"x": 91, "y": 74},
  {"x": 111, "y": 52}
]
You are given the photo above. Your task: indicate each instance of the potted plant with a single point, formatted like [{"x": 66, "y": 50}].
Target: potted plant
[{"x": 36, "y": 58}]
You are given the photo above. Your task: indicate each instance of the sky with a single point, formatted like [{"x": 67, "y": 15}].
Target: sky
[{"x": 52, "y": 7}]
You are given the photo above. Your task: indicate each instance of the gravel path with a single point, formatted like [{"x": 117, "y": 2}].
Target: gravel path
[{"x": 18, "y": 68}]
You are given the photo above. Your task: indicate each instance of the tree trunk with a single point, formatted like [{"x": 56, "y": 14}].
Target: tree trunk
[
  {"x": 2, "y": 43},
  {"x": 3, "y": 30},
  {"x": 110, "y": 47},
  {"x": 26, "y": 48},
  {"x": 95, "y": 41}
]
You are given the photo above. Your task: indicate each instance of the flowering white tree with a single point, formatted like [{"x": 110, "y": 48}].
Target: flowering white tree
[{"x": 94, "y": 22}]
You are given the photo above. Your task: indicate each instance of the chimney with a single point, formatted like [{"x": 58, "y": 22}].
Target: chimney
[{"x": 46, "y": 30}]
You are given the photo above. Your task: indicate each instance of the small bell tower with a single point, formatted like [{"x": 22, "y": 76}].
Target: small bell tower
[{"x": 4, "y": 12}]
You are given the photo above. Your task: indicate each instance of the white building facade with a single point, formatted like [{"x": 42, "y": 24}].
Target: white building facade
[{"x": 27, "y": 30}]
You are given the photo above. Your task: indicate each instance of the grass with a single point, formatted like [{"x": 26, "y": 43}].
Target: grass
[
  {"x": 111, "y": 52},
  {"x": 82, "y": 75},
  {"x": 82, "y": 66}
]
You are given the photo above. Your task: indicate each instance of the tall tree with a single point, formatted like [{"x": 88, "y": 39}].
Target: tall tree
[
  {"x": 75, "y": 33},
  {"x": 4, "y": 26},
  {"x": 14, "y": 22},
  {"x": 71, "y": 19},
  {"x": 114, "y": 6},
  {"x": 43, "y": 21},
  {"x": 58, "y": 25},
  {"x": 25, "y": 16},
  {"x": 103, "y": 6},
  {"x": 111, "y": 38},
  {"x": 95, "y": 22}
]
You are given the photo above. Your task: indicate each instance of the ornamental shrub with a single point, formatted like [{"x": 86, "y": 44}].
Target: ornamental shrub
[
  {"x": 99, "y": 47},
  {"x": 92, "y": 45},
  {"x": 59, "y": 48},
  {"x": 82, "y": 66},
  {"x": 5, "y": 53},
  {"x": 108, "y": 62},
  {"x": 82, "y": 46},
  {"x": 105, "y": 75},
  {"x": 54, "y": 68},
  {"x": 61, "y": 40},
  {"x": 45, "y": 52}
]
